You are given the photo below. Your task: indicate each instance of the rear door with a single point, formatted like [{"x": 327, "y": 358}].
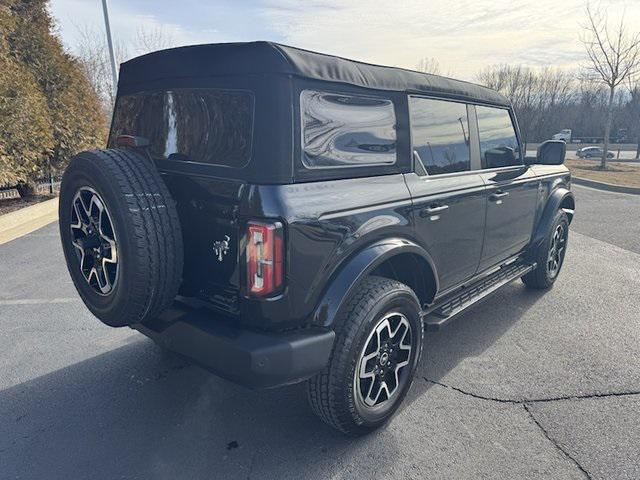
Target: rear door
[
  {"x": 194, "y": 134},
  {"x": 512, "y": 187},
  {"x": 448, "y": 196}
]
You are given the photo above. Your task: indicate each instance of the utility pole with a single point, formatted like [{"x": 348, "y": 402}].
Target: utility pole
[{"x": 114, "y": 71}]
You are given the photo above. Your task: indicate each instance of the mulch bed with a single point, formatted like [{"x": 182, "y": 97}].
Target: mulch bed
[{"x": 627, "y": 175}]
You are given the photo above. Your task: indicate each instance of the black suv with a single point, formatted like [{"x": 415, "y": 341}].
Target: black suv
[{"x": 279, "y": 215}]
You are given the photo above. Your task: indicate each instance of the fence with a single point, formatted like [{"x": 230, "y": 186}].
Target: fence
[{"x": 43, "y": 187}]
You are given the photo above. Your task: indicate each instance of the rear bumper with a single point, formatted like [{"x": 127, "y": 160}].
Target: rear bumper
[{"x": 253, "y": 359}]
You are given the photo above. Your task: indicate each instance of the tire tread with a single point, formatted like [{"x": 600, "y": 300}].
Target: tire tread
[
  {"x": 323, "y": 390},
  {"x": 156, "y": 233}
]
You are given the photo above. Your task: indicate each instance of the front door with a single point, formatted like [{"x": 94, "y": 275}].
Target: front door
[
  {"x": 511, "y": 204},
  {"x": 512, "y": 187},
  {"x": 449, "y": 199}
]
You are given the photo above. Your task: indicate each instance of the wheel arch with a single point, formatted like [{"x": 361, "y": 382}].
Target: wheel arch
[
  {"x": 560, "y": 199},
  {"x": 395, "y": 258},
  {"x": 568, "y": 204}
]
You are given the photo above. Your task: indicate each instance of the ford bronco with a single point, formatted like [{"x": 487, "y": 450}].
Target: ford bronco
[{"x": 279, "y": 215}]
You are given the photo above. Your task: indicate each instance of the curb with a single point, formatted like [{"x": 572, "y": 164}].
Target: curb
[
  {"x": 27, "y": 220},
  {"x": 605, "y": 186}
]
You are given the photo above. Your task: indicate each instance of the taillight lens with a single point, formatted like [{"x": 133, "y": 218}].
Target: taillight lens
[{"x": 265, "y": 272}]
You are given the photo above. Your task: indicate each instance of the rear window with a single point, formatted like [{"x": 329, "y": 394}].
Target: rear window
[
  {"x": 346, "y": 130},
  {"x": 193, "y": 125}
]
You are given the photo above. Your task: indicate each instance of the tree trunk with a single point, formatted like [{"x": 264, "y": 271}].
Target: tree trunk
[
  {"x": 26, "y": 188},
  {"x": 607, "y": 129}
]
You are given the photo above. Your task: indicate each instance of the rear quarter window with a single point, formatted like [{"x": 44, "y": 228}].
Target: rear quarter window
[
  {"x": 190, "y": 125},
  {"x": 340, "y": 130}
]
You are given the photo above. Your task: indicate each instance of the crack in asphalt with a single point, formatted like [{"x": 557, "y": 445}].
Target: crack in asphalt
[
  {"x": 535, "y": 400},
  {"x": 526, "y": 405},
  {"x": 555, "y": 443}
]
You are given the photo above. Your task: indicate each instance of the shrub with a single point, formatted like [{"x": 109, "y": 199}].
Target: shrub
[{"x": 48, "y": 111}]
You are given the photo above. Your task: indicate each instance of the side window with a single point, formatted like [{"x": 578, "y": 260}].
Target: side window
[
  {"x": 498, "y": 142},
  {"x": 346, "y": 130},
  {"x": 440, "y": 135}
]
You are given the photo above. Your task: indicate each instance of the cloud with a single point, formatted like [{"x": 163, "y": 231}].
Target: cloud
[{"x": 464, "y": 36}]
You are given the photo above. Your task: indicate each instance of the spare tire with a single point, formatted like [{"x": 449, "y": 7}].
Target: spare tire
[{"x": 121, "y": 235}]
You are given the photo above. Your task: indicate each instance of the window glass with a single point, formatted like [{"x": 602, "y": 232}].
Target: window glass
[
  {"x": 498, "y": 141},
  {"x": 197, "y": 125},
  {"x": 345, "y": 130},
  {"x": 440, "y": 135}
]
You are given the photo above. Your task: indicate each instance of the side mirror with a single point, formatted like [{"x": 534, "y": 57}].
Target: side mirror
[{"x": 551, "y": 152}]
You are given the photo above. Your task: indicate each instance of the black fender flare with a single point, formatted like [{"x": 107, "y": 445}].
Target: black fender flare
[
  {"x": 558, "y": 197},
  {"x": 357, "y": 267}
]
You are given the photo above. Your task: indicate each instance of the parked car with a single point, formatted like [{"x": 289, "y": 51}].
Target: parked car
[
  {"x": 279, "y": 215},
  {"x": 592, "y": 152}
]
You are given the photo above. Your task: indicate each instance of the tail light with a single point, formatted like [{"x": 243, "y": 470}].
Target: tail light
[
  {"x": 131, "y": 141},
  {"x": 265, "y": 272}
]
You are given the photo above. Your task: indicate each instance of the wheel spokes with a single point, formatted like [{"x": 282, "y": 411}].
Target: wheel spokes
[
  {"x": 556, "y": 250},
  {"x": 386, "y": 354},
  {"x": 93, "y": 238}
]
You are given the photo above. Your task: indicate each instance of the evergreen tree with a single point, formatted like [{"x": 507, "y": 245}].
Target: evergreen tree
[{"x": 48, "y": 111}]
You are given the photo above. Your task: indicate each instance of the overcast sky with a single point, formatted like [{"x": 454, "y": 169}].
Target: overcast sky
[{"x": 464, "y": 36}]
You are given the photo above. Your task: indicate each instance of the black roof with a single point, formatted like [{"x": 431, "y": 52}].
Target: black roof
[{"x": 223, "y": 59}]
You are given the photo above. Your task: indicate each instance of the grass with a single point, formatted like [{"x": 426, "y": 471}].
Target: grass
[{"x": 625, "y": 174}]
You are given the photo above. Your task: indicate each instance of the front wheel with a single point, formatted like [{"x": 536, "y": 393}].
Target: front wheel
[
  {"x": 550, "y": 254},
  {"x": 375, "y": 355}
]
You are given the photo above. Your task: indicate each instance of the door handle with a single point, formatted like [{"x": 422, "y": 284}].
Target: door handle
[
  {"x": 425, "y": 212},
  {"x": 498, "y": 195}
]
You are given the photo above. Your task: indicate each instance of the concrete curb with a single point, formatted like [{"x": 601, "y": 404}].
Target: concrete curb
[
  {"x": 27, "y": 220},
  {"x": 605, "y": 186}
]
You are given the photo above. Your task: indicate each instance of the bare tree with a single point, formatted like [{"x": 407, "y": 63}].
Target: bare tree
[
  {"x": 93, "y": 54},
  {"x": 614, "y": 57},
  {"x": 428, "y": 65},
  {"x": 633, "y": 110},
  {"x": 152, "y": 39},
  {"x": 540, "y": 97}
]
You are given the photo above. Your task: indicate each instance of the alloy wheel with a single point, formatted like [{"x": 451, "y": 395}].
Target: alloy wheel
[
  {"x": 383, "y": 366},
  {"x": 94, "y": 239},
  {"x": 556, "y": 250}
]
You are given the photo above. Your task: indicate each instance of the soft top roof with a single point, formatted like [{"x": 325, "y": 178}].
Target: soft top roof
[{"x": 223, "y": 59}]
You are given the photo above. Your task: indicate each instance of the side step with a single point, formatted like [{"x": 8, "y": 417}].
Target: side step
[{"x": 438, "y": 315}]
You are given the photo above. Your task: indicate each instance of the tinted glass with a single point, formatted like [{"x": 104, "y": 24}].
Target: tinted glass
[
  {"x": 498, "y": 141},
  {"x": 206, "y": 126},
  {"x": 345, "y": 130},
  {"x": 440, "y": 135}
]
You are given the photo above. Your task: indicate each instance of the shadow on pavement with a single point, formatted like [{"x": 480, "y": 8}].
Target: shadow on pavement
[{"x": 138, "y": 412}]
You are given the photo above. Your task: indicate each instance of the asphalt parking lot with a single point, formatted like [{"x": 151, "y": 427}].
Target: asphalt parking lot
[{"x": 526, "y": 385}]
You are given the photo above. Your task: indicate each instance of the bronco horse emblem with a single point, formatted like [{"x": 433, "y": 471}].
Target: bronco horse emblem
[{"x": 221, "y": 247}]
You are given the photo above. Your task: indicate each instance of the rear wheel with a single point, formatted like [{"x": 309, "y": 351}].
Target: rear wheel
[
  {"x": 120, "y": 235},
  {"x": 377, "y": 349},
  {"x": 550, "y": 254}
]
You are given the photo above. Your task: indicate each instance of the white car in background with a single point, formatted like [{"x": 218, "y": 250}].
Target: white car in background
[{"x": 564, "y": 135}]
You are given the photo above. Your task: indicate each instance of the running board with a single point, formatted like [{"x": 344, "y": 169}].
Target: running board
[{"x": 438, "y": 315}]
